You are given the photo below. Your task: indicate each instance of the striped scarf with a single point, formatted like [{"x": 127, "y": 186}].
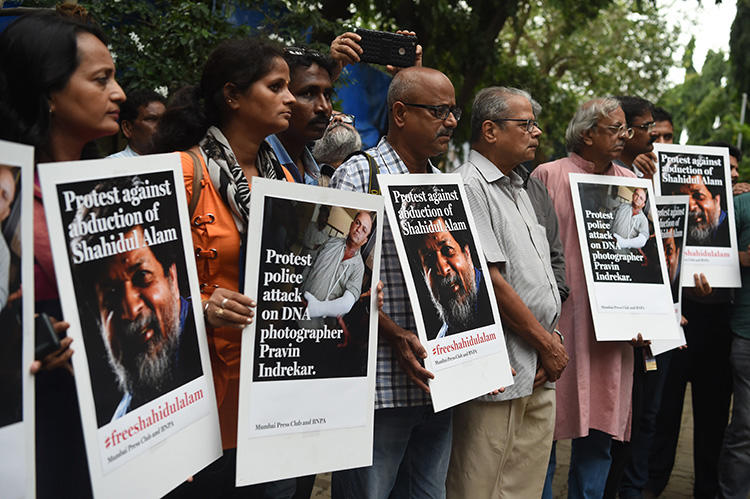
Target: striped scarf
[{"x": 227, "y": 176}]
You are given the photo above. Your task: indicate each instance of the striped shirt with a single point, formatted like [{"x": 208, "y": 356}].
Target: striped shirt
[
  {"x": 511, "y": 235},
  {"x": 393, "y": 388}
]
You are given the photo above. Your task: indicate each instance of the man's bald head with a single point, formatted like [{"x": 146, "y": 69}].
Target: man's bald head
[
  {"x": 411, "y": 83},
  {"x": 422, "y": 115}
]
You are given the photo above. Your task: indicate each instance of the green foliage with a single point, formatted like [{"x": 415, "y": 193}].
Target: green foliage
[
  {"x": 562, "y": 51},
  {"x": 564, "y": 57}
]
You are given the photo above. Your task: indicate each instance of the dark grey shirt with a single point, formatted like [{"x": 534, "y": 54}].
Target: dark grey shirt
[{"x": 547, "y": 217}]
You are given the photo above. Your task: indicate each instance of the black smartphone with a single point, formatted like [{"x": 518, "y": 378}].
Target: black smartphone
[
  {"x": 45, "y": 337},
  {"x": 382, "y": 47}
]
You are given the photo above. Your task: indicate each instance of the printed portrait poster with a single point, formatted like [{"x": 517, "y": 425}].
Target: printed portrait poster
[
  {"x": 449, "y": 287},
  {"x": 307, "y": 367},
  {"x": 673, "y": 223},
  {"x": 623, "y": 258},
  {"x": 125, "y": 269},
  {"x": 703, "y": 174},
  {"x": 17, "y": 319}
]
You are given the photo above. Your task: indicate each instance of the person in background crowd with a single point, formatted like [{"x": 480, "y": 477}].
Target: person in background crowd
[
  {"x": 663, "y": 131},
  {"x": 409, "y": 435},
  {"x": 705, "y": 364},
  {"x": 339, "y": 141},
  {"x": 58, "y": 94},
  {"x": 139, "y": 117},
  {"x": 312, "y": 76},
  {"x": 637, "y": 155},
  {"x": 501, "y": 442},
  {"x": 663, "y": 126},
  {"x": 593, "y": 394},
  {"x": 243, "y": 97},
  {"x": 632, "y": 479},
  {"x": 734, "y": 459}
]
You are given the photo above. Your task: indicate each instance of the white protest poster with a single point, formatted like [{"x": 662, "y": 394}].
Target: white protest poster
[
  {"x": 673, "y": 212},
  {"x": 448, "y": 283},
  {"x": 703, "y": 174},
  {"x": 126, "y": 274},
  {"x": 307, "y": 367},
  {"x": 17, "y": 319},
  {"x": 623, "y": 258}
]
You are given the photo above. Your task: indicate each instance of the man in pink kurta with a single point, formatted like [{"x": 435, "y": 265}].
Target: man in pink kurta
[{"x": 594, "y": 392}]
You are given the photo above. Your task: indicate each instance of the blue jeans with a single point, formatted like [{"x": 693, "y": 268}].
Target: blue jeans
[
  {"x": 734, "y": 461},
  {"x": 589, "y": 465},
  {"x": 411, "y": 452},
  {"x": 547, "y": 491}
]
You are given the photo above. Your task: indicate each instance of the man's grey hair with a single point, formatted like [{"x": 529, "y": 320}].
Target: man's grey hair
[
  {"x": 336, "y": 144},
  {"x": 587, "y": 116},
  {"x": 491, "y": 103}
]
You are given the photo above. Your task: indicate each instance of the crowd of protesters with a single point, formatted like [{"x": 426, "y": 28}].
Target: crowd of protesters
[{"x": 264, "y": 110}]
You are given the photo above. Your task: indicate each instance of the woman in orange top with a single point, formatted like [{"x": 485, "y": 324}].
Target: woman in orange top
[{"x": 242, "y": 98}]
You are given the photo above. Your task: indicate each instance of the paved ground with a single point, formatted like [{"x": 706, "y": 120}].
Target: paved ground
[
  {"x": 680, "y": 482},
  {"x": 680, "y": 485}
]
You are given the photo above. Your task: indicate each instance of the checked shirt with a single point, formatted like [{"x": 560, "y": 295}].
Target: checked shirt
[{"x": 393, "y": 388}]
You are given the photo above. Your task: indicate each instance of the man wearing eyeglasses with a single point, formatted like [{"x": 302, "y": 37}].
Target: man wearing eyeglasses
[
  {"x": 501, "y": 442},
  {"x": 637, "y": 154},
  {"x": 593, "y": 394},
  {"x": 422, "y": 115}
]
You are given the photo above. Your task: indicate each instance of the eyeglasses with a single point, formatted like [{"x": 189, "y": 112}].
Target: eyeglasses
[
  {"x": 440, "y": 112},
  {"x": 301, "y": 52},
  {"x": 646, "y": 126},
  {"x": 343, "y": 118},
  {"x": 619, "y": 130},
  {"x": 529, "y": 124}
]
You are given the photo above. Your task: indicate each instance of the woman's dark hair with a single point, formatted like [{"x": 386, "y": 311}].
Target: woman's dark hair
[
  {"x": 193, "y": 109},
  {"x": 38, "y": 54}
]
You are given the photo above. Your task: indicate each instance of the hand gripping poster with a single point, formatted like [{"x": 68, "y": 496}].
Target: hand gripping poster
[
  {"x": 623, "y": 258},
  {"x": 16, "y": 316},
  {"x": 448, "y": 282},
  {"x": 307, "y": 369},
  {"x": 125, "y": 269},
  {"x": 673, "y": 212},
  {"x": 703, "y": 174}
]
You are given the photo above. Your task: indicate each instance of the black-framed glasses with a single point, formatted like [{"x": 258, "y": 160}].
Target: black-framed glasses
[
  {"x": 619, "y": 130},
  {"x": 301, "y": 52},
  {"x": 440, "y": 112},
  {"x": 646, "y": 126},
  {"x": 529, "y": 124}
]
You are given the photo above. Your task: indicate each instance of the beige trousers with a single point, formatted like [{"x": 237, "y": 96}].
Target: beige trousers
[{"x": 501, "y": 449}]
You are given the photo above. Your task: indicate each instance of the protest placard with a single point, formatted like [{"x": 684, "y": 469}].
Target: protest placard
[
  {"x": 456, "y": 312},
  {"x": 702, "y": 173},
  {"x": 673, "y": 212},
  {"x": 17, "y": 474},
  {"x": 307, "y": 372},
  {"x": 623, "y": 257},
  {"x": 125, "y": 268}
]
